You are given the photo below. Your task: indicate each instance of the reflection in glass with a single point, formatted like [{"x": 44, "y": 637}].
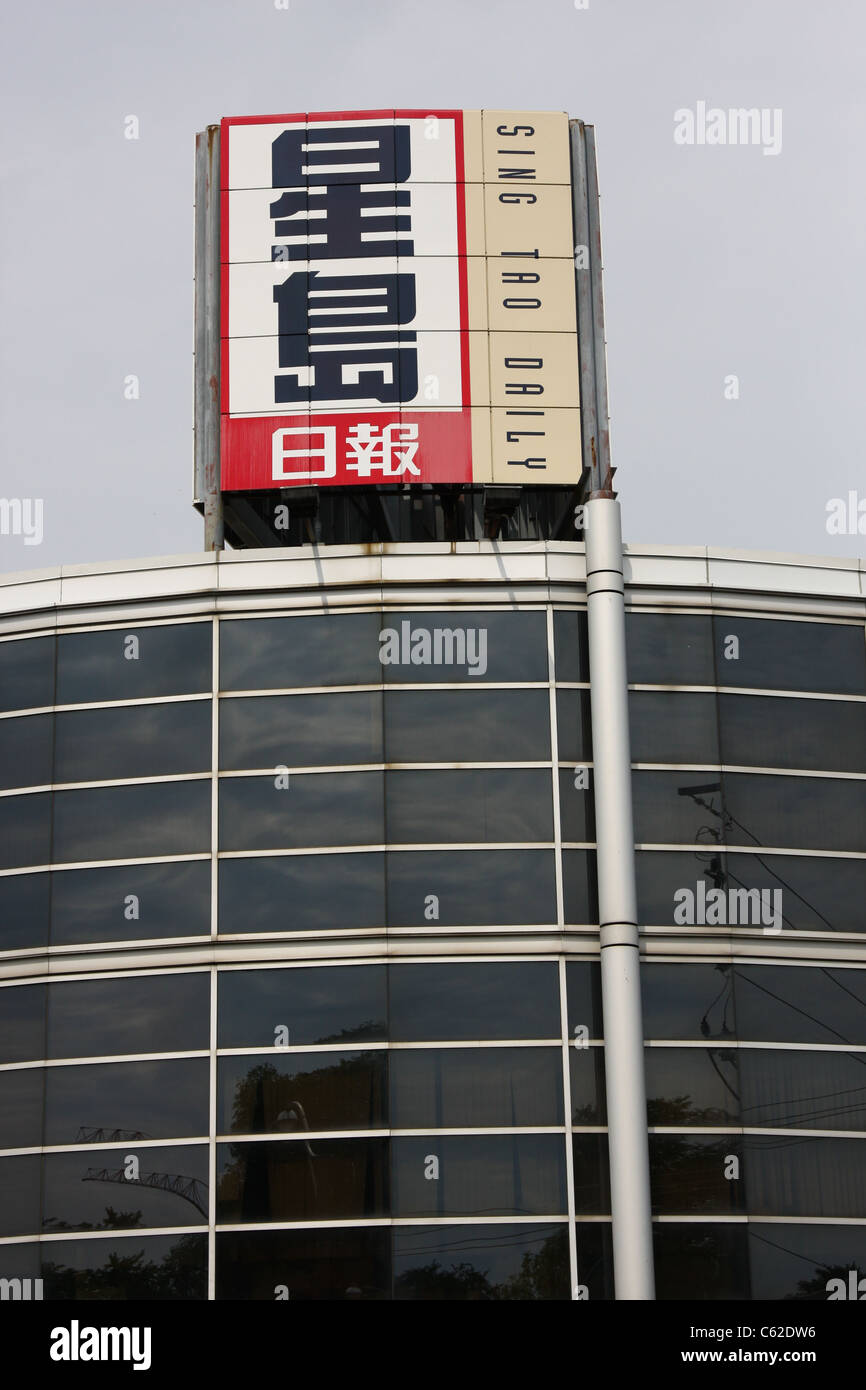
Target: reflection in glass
[
  {"x": 136, "y": 1268},
  {"x": 787, "y": 1090},
  {"x": 328, "y": 808},
  {"x": 672, "y": 726},
  {"x": 132, "y": 902},
  {"x": 571, "y": 645},
  {"x": 588, "y": 1102},
  {"x": 777, "y": 655},
  {"x": 332, "y": 1004},
  {"x": 145, "y": 1100},
  {"x": 302, "y": 1180},
  {"x": 792, "y": 1003},
  {"x": 574, "y": 725},
  {"x": 463, "y": 645},
  {"x": 22, "y": 1022},
  {"x": 693, "y": 1086},
  {"x": 825, "y": 735},
  {"x": 688, "y": 1001},
  {"x": 489, "y": 888},
  {"x": 477, "y": 1000},
  {"x": 138, "y": 1013},
  {"x": 25, "y": 830},
  {"x": 21, "y": 1108},
  {"x": 136, "y": 822},
  {"x": 703, "y": 1261},
  {"x": 591, "y": 1174},
  {"x": 459, "y": 726},
  {"x": 102, "y": 1190},
  {"x": 302, "y": 1091},
  {"x": 796, "y": 1175},
  {"x": 132, "y": 741},
  {"x": 800, "y": 1262},
  {"x": 23, "y": 911},
  {"x": 689, "y": 1174},
  {"x": 301, "y": 730},
  {"x": 795, "y": 812},
  {"x": 678, "y": 808},
  {"x": 583, "y": 986},
  {"x": 134, "y": 663},
  {"x": 473, "y": 1088},
  {"x": 27, "y": 673},
  {"x": 595, "y": 1259},
  {"x": 19, "y": 1195},
  {"x": 282, "y": 653},
  {"x": 25, "y": 751},
  {"x": 481, "y": 1263},
  {"x": 669, "y": 649},
  {"x": 479, "y": 1175},
  {"x": 576, "y": 807},
  {"x": 349, "y": 1265},
  {"x": 470, "y": 805},
  {"x": 301, "y": 892}
]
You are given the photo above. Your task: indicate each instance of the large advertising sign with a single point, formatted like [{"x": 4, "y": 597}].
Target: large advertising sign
[{"x": 397, "y": 299}]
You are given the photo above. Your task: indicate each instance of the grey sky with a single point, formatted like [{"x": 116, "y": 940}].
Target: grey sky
[{"x": 718, "y": 260}]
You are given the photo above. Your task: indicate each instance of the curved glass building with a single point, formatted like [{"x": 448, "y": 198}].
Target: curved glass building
[{"x": 299, "y": 929}]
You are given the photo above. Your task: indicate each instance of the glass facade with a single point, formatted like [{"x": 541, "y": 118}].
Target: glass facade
[{"x": 299, "y": 982}]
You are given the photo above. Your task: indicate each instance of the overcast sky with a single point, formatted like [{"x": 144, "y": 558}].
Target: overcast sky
[{"x": 720, "y": 261}]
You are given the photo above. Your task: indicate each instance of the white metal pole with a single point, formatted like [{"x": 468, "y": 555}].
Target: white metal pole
[{"x": 617, "y": 899}]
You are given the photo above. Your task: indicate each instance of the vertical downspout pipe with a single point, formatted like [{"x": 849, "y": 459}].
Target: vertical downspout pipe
[{"x": 628, "y": 1145}]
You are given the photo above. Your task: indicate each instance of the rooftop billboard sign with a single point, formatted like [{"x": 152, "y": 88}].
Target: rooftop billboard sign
[{"x": 396, "y": 300}]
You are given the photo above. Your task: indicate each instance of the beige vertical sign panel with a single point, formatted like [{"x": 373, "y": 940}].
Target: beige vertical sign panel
[{"x": 522, "y": 216}]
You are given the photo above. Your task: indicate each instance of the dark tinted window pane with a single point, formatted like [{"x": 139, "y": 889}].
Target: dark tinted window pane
[
  {"x": 792, "y": 656},
  {"x": 23, "y": 911},
  {"x": 481, "y": 1263},
  {"x": 573, "y": 724},
  {"x": 302, "y": 1091},
  {"x": 302, "y": 1180},
  {"x": 325, "y": 1264},
  {"x": 142, "y": 1013},
  {"x": 302, "y": 892},
  {"x": 661, "y": 876},
  {"x": 146, "y": 1100},
  {"x": 479, "y": 1175},
  {"x": 139, "y": 1268},
  {"x": 576, "y": 807},
  {"x": 688, "y": 1001},
  {"x": 171, "y": 660},
  {"x": 25, "y": 828},
  {"x": 693, "y": 1086},
  {"x": 343, "y": 1003},
  {"x": 22, "y": 1023},
  {"x": 676, "y": 808},
  {"x": 706, "y": 1261},
  {"x": 687, "y": 1174},
  {"x": 799, "y": 1262},
  {"x": 777, "y": 1003},
  {"x": 132, "y": 822},
  {"x": 281, "y": 653},
  {"x": 462, "y": 726},
  {"x": 796, "y": 812},
  {"x": 588, "y": 1103},
  {"x": 825, "y": 735},
  {"x": 19, "y": 1195},
  {"x": 496, "y": 804},
  {"x": 591, "y": 1177},
  {"x": 25, "y": 751},
  {"x": 595, "y": 1259},
  {"x": 817, "y": 894},
  {"x": 133, "y": 902},
  {"x": 669, "y": 649},
  {"x": 21, "y": 1261},
  {"x": 457, "y": 645},
  {"x": 133, "y": 741},
  {"x": 89, "y": 1190},
  {"x": 507, "y": 887},
  {"x": 27, "y": 673},
  {"x": 818, "y": 1090},
  {"x": 453, "y": 1088},
  {"x": 301, "y": 730},
  {"x": 480, "y": 1000},
  {"x": 800, "y": 1176},
  {"x": 21, "y": 1108},
  {"x": 571, "y": 645},
  {"x": 583, "y": 986},
  {"x": 579, "y": 887},
  {"x": 329, "y": 808},
  {"x": 673, "y": 727}
]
